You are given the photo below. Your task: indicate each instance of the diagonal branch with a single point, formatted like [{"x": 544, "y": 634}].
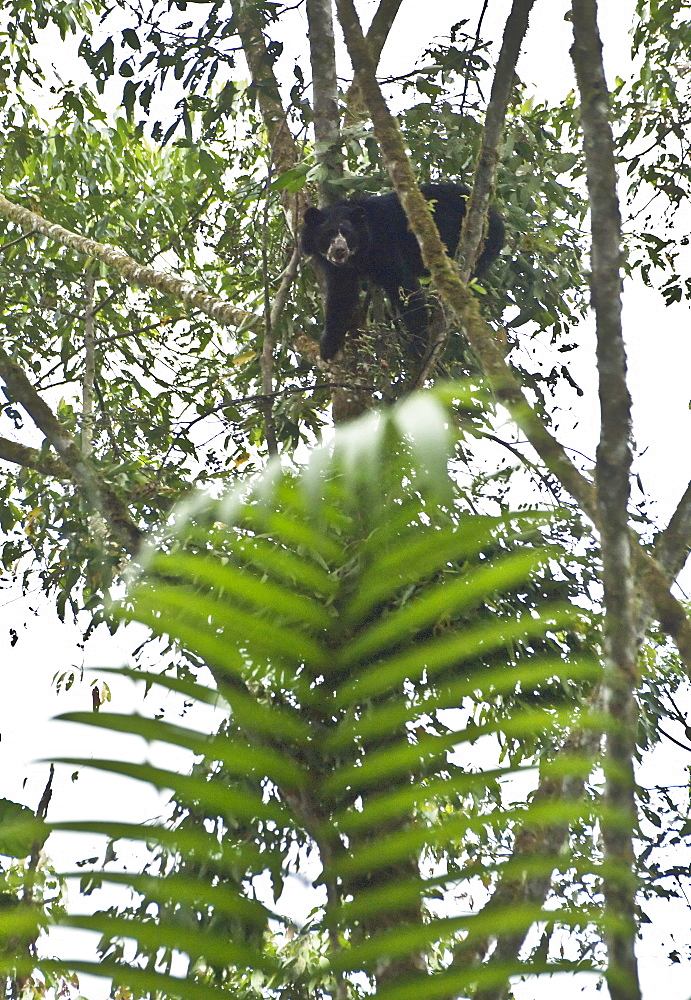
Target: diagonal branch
[
  {"x": 32, "y": 458},
  {"x": 484, "y": 180},
  {"x": 507, "y": 390},
  {"x": 98, "y": 496},
  {"x": 377, "y": 33},
  {"x": 672, "y": 546},
  {"x": 284, "y": 151},
  {"x": 530, "y": 842},
  {"x": 504, "y": 384},
  {"x": 380, "y": 26},
  {"x": 485, "y": 177},
  {"x": 133, "y": 272}
]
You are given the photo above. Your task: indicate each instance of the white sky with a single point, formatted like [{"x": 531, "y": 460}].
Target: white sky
[{"x": 659, "y": 354}]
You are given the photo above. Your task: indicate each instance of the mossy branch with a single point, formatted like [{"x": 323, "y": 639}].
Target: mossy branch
[
  {"x": 131, "y": 270},
  {"x": 503, "y": 383}
]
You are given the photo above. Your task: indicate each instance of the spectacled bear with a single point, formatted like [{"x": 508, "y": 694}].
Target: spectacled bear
[{"x": 369, "y": 238}]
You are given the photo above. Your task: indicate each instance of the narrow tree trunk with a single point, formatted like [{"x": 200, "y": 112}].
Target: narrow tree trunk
[
  {"x": 327, "y": 132},
  {"x": 612, "y": 479}
]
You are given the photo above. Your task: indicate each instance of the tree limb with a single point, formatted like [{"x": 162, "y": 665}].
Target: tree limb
[
  {"x": 505, "y": 387},
  {"x": 673, "y": 544},
  {"x": 530, "y": 843},
  {"x": 32, "y": 458},
  {"x": 380, "y": 26},
  {"x": 284, "y": 152},
  {"x": 128, "y": 268},
  {"x": 102, "y": 500},
  {"x": 484, "y": 180},
  {"x": 89, "y": 367},
  {"x": 485, "y": 177},
  {"x": 508, "y": 391},
  {"x": 266, "y": 359},
  {"x": 377, "y": 33}
]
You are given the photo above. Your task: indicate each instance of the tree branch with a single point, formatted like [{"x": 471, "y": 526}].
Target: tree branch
[
  {"x": 484, "y": 180},
  {"x": 485, "y": 177},
  {"x": 89, "y": 367},
  {"x": 100, "y": 498},
  {"x": 128, "y": 268},
  {"x": 377, "y": 33},
  {"x": 284, "y": 152},
  {"x": 530, "y": 843},
  {"x": 32, "y": 458},
  {"x": 672, "y": 546},
  {"x": 503, "y": 383},
  {"x": 507, "y": 391},
  {"x": 381, "y": 25},
  {"x": 266, "y": 359}
]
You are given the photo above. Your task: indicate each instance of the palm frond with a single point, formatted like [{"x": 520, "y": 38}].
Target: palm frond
[{"x": 363, "y": 634}]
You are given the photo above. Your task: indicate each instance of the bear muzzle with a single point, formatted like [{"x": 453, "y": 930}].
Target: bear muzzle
[{"x": 339, "y": 252}]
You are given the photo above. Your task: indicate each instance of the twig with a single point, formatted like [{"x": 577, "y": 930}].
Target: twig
[
  {"x": 684, "y": 746},
  {"x": 474, "y": 48},
  {"x": 20, "y": 239}
]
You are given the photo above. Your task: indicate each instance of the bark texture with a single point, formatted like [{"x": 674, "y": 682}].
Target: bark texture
[
  {"x": 504, "y": 384},
  {"x": 327, "y": 133},
  {"x": 612, "y": 476},
  {"x": 284, "y": 151}
]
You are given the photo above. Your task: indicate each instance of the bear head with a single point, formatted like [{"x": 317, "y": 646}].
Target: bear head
[{"x": 338, "y": 233}]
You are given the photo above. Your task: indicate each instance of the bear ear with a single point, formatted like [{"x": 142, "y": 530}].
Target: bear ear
[
  {"x": 313, "y": 217},
  {"x": 359, "y": 214}
]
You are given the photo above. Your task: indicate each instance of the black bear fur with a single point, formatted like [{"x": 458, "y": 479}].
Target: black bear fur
[{"x": 369, "y": 238}]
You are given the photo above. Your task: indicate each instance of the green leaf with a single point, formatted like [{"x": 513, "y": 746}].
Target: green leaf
[{"x": 20, "y": 830}]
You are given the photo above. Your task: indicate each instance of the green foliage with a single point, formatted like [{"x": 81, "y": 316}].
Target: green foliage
[
  {"x": 363, "y": 626},
  {"x": 361, "y": 638},
  {"x": 178, "y": 400},
  {"x": 19, "y": 830}
]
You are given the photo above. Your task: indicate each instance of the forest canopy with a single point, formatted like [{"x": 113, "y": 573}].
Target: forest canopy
[{"x": 405, "y": 591}]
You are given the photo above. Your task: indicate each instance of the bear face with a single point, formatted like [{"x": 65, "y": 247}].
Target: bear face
[
  {"x": 369, "y": 238},
  {"x": 339, "y": 234}
]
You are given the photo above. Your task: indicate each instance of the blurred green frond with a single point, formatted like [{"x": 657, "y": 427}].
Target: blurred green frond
[{"x": 363, "y": 633}]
